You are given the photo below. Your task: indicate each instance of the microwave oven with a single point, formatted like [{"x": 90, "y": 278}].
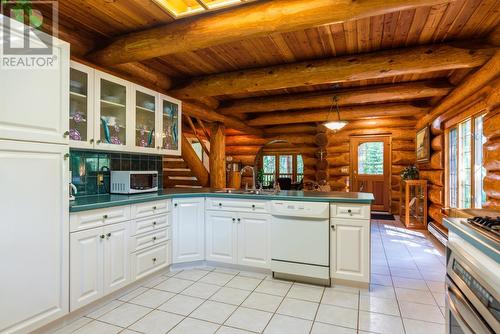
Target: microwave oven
[{"x": 133, "y": 182}]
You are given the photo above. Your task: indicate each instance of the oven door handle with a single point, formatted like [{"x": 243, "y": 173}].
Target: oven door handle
[{"x": 456, "y": 299}]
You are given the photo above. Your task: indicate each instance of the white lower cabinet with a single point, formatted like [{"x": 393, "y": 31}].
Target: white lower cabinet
[
  {"x": 188, "y": 232},
  {"x": 350, "y": 249},
  {"x": 99, "y": 263},
  {"x": 147, "y": 261},
  {"x": 238, "y": 238}
]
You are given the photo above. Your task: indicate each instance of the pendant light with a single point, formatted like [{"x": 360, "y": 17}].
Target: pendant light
[{"x": 338, "y": 124}]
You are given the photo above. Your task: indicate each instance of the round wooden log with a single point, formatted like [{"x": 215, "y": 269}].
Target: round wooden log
[
  {"x": 338, "y": 160},
  {"x": 403, "y": 145},
  {"x": 397, "y": 169},
  {"x": 437, "y": 143},
  {"x": 491, "y": 155},
  {"x": 436, "y": 161},
  {"x": 217, "y": 156},
  {"x": 321, "y": 175},
  {"x": 321, "y": 139},
  {"x": 434, "y": 177},
  {"x": 491, "y": 185},
  {"x": 492, "y": 203},
  {"x": 241, "y": 150},
  {"x": 435, "y": 194},
  {"x": 403, "y": 157},
  {"x": 491, "y": 127},
  {"x": 340, "y": 148},
  {"x": 435, "y": 213},
  {"x": 244, "y": 159},
  {"x": 339, "y": 171}
]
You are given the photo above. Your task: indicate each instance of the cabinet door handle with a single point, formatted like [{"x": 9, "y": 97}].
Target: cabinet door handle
[
  {"x": 105, "y": 216},
  {"x": 253, "y": 206},
  {"x": 102, "y": 236},
  {"x": 154, "y": 238},
  {"x": 108, "y": 235},
  {"x": 220, "y": 204},
  {"x": 175, "y": 204},
  {"x": 154, "y": 259},
  {"x": 91, "y": 141},
  {"x": 154, "y": 223},
  {"x": 239, "y": 220},
  {"x": 333, "y": 227},
  {"x": 66, "y": 156},
  {"x": 234, "y": 219},
  {"x": 98, "y": 141},
  {"x": 66, "y": 134},
  {"x": 154, "y": 207}
]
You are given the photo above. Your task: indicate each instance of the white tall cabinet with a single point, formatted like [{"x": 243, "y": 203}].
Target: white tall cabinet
[
  {"x": 188, "y": 239},
  {"x": 34, "y": 195}
]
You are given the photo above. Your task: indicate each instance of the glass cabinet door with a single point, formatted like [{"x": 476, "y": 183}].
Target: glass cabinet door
[
  {"x": 112, "y": 107},
  {"x": 171, "y": 125},
  {"x": 80, "y": 106},
  {"x": 145, "y": 119}
]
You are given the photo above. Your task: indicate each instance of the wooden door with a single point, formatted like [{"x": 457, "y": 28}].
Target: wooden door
[
  {"x": 254, "y": 239},
  {"x": 188, "y": 230},
  {"x": 371, "y": 168},
  {"x": 221, "y": 236},
  {"x": 116, "y": 259}
]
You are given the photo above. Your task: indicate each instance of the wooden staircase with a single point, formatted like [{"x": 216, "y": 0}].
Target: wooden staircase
[{"x": 177, "y": 174}]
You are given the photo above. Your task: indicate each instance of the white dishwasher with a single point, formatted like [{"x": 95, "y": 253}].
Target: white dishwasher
[{"x": 300, "y": 239}]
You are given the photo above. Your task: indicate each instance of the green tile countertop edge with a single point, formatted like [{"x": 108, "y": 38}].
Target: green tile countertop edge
[
  {"x": 467, "y": 233},
  {"x": 85, "y": 203}
]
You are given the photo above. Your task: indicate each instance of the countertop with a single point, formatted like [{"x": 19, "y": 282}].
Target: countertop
[
  {"x": 105, "y": 201},
  {"x": 478, "y": 240}
]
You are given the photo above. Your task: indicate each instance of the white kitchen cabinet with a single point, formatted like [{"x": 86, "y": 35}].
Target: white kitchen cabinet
[
  {"x": 350, "y": 249},
  {"x": 169, "y": 126},
  {"x": 254, "y": 239},
  {"x": 99, "y": 263},
  {"x": 81, "y": 106},
  {"x": 221, "y": 236},
  {"x": 35, "y": 102},
  {"x": 145, "y": 120},
  {"x": 113, "y": 117},
  {"x": 86, "y": 267},
  {"x": 34, "y": 245},
  {"x": 149, "y": 260},
  {"x": 188, "y": 229},
  {"x": 116, "y": 257}
]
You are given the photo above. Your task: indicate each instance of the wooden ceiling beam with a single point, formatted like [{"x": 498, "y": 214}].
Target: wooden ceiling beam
[
  {"x": 200, "y": 112},
  {"x": 365, "y": 95},
  {"x": 249, "y": 21},
  {"x": 346, "y": 114},
  {"x": 367, "y": 66}
]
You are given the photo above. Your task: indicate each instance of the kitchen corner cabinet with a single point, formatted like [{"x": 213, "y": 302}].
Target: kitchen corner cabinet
[
  {"x": 81, "y": 106},
  {"x": 188, "y": 229},
  {"x": 238, "y": 238},
  {"x": 99, "y": 263},
  {"x": 109, "y": 113},
  {"x": 350, "y": 243}
]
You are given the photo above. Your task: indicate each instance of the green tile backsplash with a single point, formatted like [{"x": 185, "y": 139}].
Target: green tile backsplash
[{"x": 86, "y": 166}]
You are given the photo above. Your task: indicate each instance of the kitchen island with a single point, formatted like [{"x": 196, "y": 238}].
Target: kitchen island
[{"x": 290, "y": 234}]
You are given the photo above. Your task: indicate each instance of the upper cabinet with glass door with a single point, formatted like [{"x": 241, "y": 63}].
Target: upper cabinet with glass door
[
  {"x": 112, "y": 117},
  {"x": 170, "y": 125},
  {"x": 146, "y": 119},
  {"x": 81, "y": 108}
]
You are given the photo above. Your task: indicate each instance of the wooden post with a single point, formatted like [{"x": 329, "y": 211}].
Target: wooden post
[
  {"x": 217, "y": 156},
  {"x": 194, "y": 163}
]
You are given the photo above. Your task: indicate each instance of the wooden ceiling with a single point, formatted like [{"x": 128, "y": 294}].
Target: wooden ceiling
[{"x": 93, "y": 24}]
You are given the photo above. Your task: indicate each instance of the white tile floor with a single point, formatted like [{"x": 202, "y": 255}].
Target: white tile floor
[{"x": 407, "y": 296}]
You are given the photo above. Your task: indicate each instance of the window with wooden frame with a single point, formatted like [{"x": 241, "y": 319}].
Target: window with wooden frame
[
  {"x": 289, "y": 165},
  {"x": 464, "y": 168}
]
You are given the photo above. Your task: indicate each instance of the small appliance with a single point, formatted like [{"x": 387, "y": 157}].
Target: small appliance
[{"x": 133, "y": 182}]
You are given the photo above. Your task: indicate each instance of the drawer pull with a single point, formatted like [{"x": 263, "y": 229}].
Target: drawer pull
[
  {"x": 234, "y": 219},
  {"x": 349, "y": 210},
  {"x": 239, "y": 220},
  {"x": 154, "y": 223},
  {"x": 66, "y": 134},
  {"x": 220, "y": 204},
  {"x": 175, "y": 204},
  {"x": 154, "y": 259},
  {"x": 154, "y": 238},
  {"x": 253, "y": 206},
  {"x": 105, "y": 217},
  {"x": 154, "y": 207},
  {"x": 333, "y": 227}
]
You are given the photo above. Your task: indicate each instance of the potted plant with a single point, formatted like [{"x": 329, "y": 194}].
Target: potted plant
[{"x": 410, "y": 173}]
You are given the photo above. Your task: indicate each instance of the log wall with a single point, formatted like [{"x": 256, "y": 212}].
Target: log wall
[{"x": 491, "y": 157}]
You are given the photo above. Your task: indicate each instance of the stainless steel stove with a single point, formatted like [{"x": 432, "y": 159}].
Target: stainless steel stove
[{"x": 473, "y": 275}]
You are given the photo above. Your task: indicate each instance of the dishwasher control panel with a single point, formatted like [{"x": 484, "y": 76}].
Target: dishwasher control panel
[{"x": 300, "y": 209}]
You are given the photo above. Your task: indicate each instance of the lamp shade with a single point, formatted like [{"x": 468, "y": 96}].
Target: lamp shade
[{"x": 335, "y": 125}]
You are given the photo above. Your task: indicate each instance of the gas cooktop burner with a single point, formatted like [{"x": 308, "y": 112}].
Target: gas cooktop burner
[{"x": 487, "y": 224}]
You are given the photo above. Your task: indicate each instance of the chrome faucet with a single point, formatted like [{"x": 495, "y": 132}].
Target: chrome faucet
[{"x": 253, "y": 176}]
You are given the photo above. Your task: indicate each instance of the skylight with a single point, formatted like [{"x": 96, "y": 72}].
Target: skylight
[{"x": 182, "y": 8}]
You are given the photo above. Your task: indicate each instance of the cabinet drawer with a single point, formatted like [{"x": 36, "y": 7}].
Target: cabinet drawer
[
  {"x": 144, "y": 225},
  {"x": 149, "y": 260},
  {"x": 242, "y": 205},
  {"x": 95, "y": 218},
  {"x": 147, "y": 209},
  {"x": 142, "y": 241},
  {"x": 347, "y": 210}
]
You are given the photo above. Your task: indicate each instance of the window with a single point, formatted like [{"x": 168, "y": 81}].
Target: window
[
  {"x": 282, "y": 166},
  {"x": 371, "y": 158},
  {"x": 465, "y": 164}
]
